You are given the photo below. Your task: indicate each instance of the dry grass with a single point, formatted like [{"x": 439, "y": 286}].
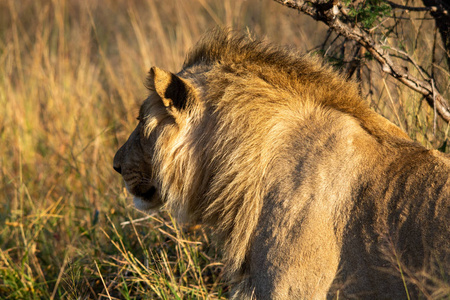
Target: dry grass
[{"x": 71, "y": 81}]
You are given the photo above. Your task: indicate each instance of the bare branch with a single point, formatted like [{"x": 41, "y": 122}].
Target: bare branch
[
  {"x": 327, "y": 12},
  {"x": 414, "y": 8}
]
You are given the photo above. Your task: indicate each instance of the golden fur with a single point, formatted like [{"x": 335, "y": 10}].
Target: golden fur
[{"x": 310, "y": 192}]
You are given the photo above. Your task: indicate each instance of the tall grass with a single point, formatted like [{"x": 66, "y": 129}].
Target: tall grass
[{"x": 71, "y": 81}]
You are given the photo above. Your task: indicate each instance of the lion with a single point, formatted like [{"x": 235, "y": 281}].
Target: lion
[{"x": 310, "y": 193}]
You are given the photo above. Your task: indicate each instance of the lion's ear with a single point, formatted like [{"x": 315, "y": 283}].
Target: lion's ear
[{"x": 173, "y": 90}]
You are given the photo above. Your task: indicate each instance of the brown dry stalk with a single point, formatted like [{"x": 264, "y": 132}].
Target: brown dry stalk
[{"x": 327, "y": 11}]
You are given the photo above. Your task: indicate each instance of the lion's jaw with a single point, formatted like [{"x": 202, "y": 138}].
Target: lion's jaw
[{"x": 143, "y": 204}]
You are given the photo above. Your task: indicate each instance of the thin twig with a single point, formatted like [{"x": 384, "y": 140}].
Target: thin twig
[
  {"x": 393, "y": 105},
  {"x": 410, "y": 59},
  {"x": 137, "y": 220},
  {"x": 415, "y": 8},
  {"x": 434, "y": 108}
]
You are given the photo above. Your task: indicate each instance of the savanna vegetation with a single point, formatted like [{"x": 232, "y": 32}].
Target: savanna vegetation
[{"x": 71, "y": 81}]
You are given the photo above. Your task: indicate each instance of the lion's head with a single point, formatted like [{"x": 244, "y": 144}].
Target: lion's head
[
  {"x": 302, "y": 182},
  {"x": 150, "y": 174}
]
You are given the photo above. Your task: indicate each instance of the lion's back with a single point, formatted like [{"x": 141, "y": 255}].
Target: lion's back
[{"x": 345, "y": 213}]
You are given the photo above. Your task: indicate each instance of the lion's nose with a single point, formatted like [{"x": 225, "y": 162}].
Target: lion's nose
[
  {"x": 118, "y": 169},
  {"x": 118, "y": 159},
  {"x": 116, "y": 163}
]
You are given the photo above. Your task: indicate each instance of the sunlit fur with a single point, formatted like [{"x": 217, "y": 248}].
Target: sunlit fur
[{"x": 308, "y": 191}]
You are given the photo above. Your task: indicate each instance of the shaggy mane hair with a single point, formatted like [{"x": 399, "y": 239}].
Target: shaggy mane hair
[{"x": 285, "y": 68}]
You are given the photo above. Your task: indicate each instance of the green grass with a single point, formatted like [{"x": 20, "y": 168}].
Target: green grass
[{"x": 71, "y": 81}]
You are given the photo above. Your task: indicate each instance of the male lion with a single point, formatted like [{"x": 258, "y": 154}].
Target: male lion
[{"x": 311, "y": 193}]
